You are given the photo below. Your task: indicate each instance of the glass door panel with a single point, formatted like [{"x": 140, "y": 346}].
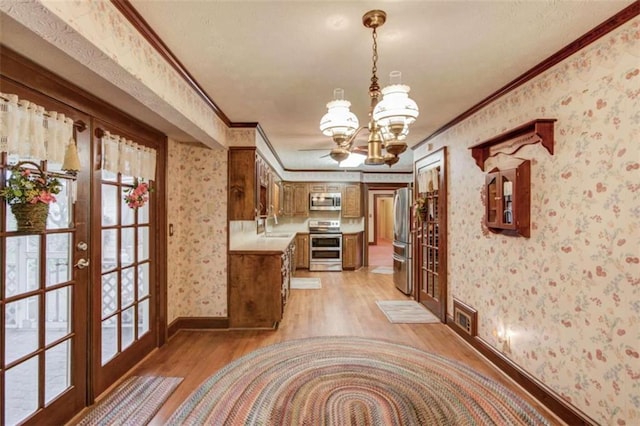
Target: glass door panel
[
  {"x": 431, "y": 235},
  {"x": 41, "y": 344},
  {"x": 125, "y": 277}
]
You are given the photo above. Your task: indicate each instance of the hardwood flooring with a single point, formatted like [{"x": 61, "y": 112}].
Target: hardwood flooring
[
  {"x": 344, "y": 306},
  {"x": 381, "y": 254}
]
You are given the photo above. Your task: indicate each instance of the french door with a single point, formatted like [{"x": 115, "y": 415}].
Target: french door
[
  {"x": 78, "y": 302},
  {"x": 431, "y": 233},
  {"x": 123, "y": 324},
  {"x": 44, "y": 281}
]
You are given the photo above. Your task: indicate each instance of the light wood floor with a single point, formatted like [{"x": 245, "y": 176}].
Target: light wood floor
[
  {"x": 344, "y": 306},
  {"x": 381, "y": 254}
]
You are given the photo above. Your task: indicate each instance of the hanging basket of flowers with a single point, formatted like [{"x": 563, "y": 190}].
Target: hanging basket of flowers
[
  {"x": 138, "y": 196},
  {"x": 29, "y": 193}
]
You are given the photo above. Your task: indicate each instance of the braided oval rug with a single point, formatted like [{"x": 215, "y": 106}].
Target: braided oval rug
[{"x": 350, "y": 381}]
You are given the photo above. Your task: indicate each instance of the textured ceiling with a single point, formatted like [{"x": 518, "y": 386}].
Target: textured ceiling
[{"x": 277, "y": 62}]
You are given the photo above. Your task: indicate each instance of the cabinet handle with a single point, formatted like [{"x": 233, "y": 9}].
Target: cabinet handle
[{"x": 497, "y": 198}]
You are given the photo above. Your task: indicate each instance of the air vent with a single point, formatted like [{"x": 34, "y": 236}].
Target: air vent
[{"x": 465, "y": 317}]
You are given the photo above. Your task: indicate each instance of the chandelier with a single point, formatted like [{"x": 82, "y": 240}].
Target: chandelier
[{"x": 390, "y": 114}]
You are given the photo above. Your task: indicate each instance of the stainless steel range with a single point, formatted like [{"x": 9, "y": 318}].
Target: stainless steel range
[{"x": 325, "y": 245}]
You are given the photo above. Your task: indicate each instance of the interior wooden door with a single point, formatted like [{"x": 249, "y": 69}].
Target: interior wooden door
[
  {"x": 124, "y": 322},
  {"x": 431, "y": 233},
  {"x": 44, "y": 293}
]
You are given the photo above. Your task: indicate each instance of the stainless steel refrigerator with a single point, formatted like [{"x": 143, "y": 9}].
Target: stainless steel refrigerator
[{"x": 402, "y": 248}]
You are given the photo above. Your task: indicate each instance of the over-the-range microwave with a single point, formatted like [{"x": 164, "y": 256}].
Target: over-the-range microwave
[{"x": 325, "y": 201}]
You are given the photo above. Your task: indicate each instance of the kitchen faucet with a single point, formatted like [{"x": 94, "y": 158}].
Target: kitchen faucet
[{"x": 271, "y": 214}]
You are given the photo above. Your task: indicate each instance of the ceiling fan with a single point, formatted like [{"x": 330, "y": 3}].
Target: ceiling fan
[{"x": 340, "y": 151}]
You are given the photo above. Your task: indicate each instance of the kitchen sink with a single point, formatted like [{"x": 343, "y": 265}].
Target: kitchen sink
[{"x": 278, "y": 235}]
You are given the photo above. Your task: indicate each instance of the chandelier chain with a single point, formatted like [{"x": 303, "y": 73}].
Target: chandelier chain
[{"x": 374, "y": 88}]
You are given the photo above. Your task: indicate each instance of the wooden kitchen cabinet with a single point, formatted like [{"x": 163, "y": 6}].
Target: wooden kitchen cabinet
[
  {"x": 302, "y": 250},
  {"x": 250, "y": 179},
  {"x": 243, "y": 184},
  {"x": 325, "y": 187},
  {"x": 259, "y": 286},
  {"x": 351, "y": 203},
  {"x": 295, "y": 199},
  {"x": 508, "y": 200},
  {"x": 352, "y": 251}
]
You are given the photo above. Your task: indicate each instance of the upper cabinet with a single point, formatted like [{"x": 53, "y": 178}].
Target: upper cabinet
[
  {"x": 243, "y": 184},
  {"x": 250, "y": 184},
  {"x": 325, "y": 187},
  {"x": 295, "y": 199},
  {"x": 351, "y": 203},
  {"x": 508, "y": 200}
]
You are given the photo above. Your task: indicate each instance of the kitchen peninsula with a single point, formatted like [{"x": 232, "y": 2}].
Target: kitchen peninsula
[{"x": 260, "y": 269}]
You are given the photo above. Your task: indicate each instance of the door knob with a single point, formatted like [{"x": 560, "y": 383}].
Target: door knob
[{"x": 82, "y": 263}]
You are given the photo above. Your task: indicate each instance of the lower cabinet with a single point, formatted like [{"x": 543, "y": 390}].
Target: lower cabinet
[
  {"x": 352, "y": 251},
  {"x": 259, "y": 288},
  {"x": 302, "y": 251}
]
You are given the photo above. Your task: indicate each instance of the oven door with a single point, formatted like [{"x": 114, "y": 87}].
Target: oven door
[
  {"x": 325, "y": 252},
  {"x": 326, "y": 241}
]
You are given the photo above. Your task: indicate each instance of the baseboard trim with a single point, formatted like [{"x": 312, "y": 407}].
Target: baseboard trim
[
  {"x": 202, "y": 323},
  {"x": 566, "y": 411}
]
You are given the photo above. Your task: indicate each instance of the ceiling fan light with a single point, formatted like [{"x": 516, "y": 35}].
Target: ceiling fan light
[
  {"x": 354, "y": 160},
  {"x": 339, "y": 154}
]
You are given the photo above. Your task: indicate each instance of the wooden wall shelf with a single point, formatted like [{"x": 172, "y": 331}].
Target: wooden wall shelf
[{"x": 509, "y": 142}]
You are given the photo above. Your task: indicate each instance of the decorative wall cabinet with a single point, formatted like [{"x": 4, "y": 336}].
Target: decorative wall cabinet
[
  {"x": 509, "y": 199},
  {"x": 351, "y": 205},
  {"x": 302, "y": 250},
  {"x": 510, "y": 142}
]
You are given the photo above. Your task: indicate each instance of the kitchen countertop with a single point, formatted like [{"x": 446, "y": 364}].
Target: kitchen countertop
[{"x": 261, "y": 244}]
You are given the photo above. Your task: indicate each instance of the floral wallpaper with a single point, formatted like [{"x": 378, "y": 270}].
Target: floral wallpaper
[
  {"x": 197, "y": 206},
  {"x": 563, "y": 304},
  {"x": 123, "y": 57}
]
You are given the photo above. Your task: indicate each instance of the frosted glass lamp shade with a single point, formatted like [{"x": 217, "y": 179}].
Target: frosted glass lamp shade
[
  {"x": 396, "y": 111},
  {"x": 339, "y": 122}
]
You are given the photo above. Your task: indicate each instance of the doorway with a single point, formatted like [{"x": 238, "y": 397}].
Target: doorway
[{"x": 381, "y": 248}]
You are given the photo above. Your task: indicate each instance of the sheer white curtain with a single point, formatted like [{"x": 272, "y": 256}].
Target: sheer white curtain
[
  {"x": 120, "y": 155},
  {"x": 28, "y": 132},
  {"x": 428, "y": 180}
]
